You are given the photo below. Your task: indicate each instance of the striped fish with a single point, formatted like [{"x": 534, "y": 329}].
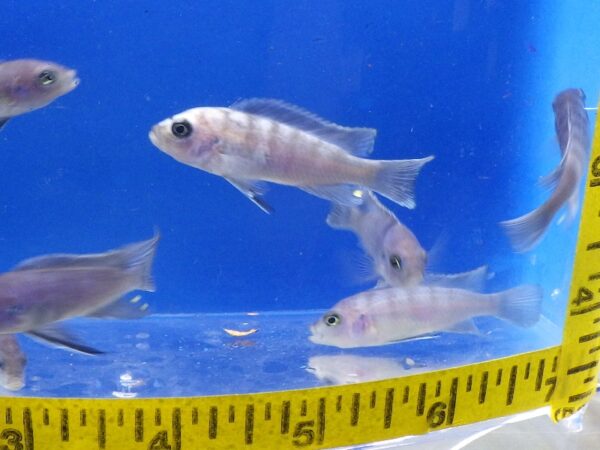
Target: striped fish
[
  {"x": 385, "y": 316},
  {"x": 267, "y": 140}
]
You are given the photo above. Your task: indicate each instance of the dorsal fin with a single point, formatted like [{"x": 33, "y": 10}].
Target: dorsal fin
[
  {"x": 122, "y": 258},
  {"x": 358, "y": 141},
  {"x": 62, "y": 260}
]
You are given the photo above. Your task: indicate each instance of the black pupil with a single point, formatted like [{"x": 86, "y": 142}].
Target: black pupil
[
  {"x": 181, "y": 129},
  {"x": 332, "y": 320},
  {"x": 47, "y": 77},
  {"x": 396, "y": 262}
]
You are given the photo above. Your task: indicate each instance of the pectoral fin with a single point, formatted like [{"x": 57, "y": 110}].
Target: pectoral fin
[
  {"x": 3, "y": 121},
  {"x": 253, "y": 190},
  {"x": 56, "y": 335},
  {"x": 344, "y": 194},
  {"x": 466, "y": 326},
  {"x": 123, "y": 309}
]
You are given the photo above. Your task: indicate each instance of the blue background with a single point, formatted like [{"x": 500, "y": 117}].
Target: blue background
[{"x": 468, "y": 81}]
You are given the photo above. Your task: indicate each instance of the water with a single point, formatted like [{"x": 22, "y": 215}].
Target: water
[{"x": 470, "y": 82}]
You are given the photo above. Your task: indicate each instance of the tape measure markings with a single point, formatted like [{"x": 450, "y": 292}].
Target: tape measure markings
[
  {"x": 581, "y": 329},
  {"x": 101, "y": 429},
  {"x": 64, "y": 424},
  {"x": 302, "y": 416}
]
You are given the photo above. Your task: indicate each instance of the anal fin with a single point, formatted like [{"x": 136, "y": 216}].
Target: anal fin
[
  {"x": 466, "y": 326},
  {"x": 123, "y": 309},
  {"x": 344, "y": 194},
  {"x": 56, "y": 335},
  {"x": 253, "y": 190}
]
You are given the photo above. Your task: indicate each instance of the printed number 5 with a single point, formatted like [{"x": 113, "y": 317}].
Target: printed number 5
[
  {"x": 304, "y": 433},
  {"x": 13, "y": 438}
]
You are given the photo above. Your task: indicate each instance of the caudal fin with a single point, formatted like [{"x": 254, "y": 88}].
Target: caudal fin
[
  {"x": 396, "y": 179},
  {"x": 137, "y": 258},
  {"x": 526, "y": 231},
  {"x": 521, "y": 305}
]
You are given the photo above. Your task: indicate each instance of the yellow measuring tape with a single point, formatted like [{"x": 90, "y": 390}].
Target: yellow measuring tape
[{"x": 562, "y": 377}]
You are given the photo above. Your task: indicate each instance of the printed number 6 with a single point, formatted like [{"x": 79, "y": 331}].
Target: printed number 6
[
  {"x": 13, "y": 438},
  {"x": 304, "y": 433}
]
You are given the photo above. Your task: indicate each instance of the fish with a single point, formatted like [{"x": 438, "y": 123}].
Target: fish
[
  {"x": 395, "y": 256},
  {"x": 395, "y": 252},
  {"x": 12, "y": 363},
  {"x": 571, "y": 124},
  {"x": 41, "y": 292},
  {"x": 349, "y": 369},
  {"x": 29, "y": 84},
  {"x": 264, "y": 140},
  {"x": 385, "y": 316}
]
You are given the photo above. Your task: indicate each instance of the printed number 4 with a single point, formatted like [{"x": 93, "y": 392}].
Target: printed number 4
[
  {"x": 13, "y": 439},
  {"x": 583, "y": 295},
  {"x": 158, "y": 442}
]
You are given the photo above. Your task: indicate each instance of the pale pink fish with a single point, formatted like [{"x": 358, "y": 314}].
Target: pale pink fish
[
  {"x": 394, "y": 253},
  {"x": 268, "y": 140},
  {"x": 12, "y": 363},
  {"x": 384, "y": 316},
  {"x": 41, "y": 292},
  {"x": 29, "y": 84},
  {"x": 572, "y": 130}
]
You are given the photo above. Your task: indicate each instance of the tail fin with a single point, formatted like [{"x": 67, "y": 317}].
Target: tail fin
[
  {"x": 521, "y": 305},
  {"x": 395, "y": 180},
  {"x": 526, "y": 231},
  {"x": 137, "y": 258}
]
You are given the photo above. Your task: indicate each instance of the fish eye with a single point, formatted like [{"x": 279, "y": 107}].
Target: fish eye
[
  {"x": 181, "y": 129},
  {"x": 332, "y": 320},
  {"x": 396, "y": 262},
  {"x": 47, "y": 77}
]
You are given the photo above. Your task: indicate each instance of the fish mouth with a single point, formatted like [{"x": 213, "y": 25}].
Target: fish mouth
[
  {"x": 315, "y": 338},
  {"x": 152, "y": 136},
  {"x": 155, "y": 138},
  {"x": 72, "y": 74}
]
